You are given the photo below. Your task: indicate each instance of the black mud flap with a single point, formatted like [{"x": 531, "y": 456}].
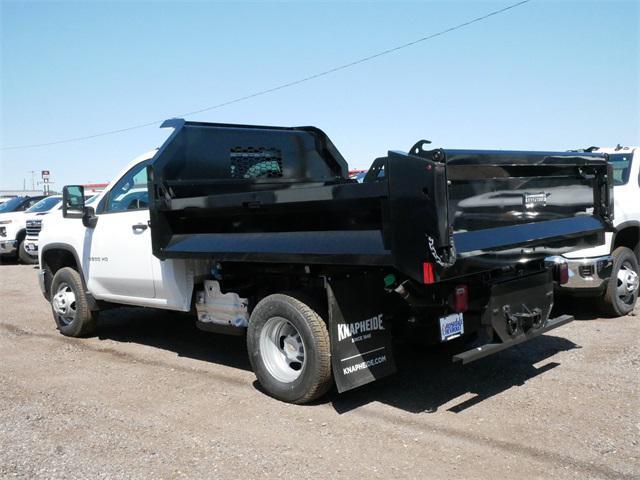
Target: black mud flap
[{"x": 361, "y": 349}]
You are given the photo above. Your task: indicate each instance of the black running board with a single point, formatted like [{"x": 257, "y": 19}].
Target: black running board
[{"x": 491, "y": 348}]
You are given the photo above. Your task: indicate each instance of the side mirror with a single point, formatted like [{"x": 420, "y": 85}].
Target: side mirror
[
  {"x": 73, "y": 206},
  {"x": 73, "y": 201},
  {"x": 89, "y": 218}
]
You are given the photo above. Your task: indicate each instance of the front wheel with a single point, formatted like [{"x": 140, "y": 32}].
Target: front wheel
[
  {"x": 289, "y": 350},
  {"x": 69, "y": 304},
  {"x": 621, "y": 292}
]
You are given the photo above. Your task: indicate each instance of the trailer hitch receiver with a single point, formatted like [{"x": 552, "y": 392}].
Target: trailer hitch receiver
[{"x": 523, "y": 321}]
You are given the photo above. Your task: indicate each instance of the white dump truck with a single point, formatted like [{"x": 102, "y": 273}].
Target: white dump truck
[{"x": 259, "y": 231}]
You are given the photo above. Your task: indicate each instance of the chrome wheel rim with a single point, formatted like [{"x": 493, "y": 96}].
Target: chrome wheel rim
[
  {"x": 628, "y": 282},
  {"x": 282, "y": 349},
  {"x": 64, "y": 304}
]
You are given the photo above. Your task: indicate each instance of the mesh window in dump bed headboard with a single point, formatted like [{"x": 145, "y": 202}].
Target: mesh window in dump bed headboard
[{"x": 255, "y": 162}]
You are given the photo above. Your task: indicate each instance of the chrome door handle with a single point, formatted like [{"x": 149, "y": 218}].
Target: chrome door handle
[{"x": 138, "y": 227}]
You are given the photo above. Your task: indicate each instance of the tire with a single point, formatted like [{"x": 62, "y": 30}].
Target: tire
[
  {"x": 24, "y": 256},
  {"x": 621, "y": 291},
  {"x": 289, "y": 349},
  {"x": 69, "y": 304}
]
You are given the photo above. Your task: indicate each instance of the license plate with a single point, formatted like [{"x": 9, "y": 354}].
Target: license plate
[{"x": 451, "y": 326}]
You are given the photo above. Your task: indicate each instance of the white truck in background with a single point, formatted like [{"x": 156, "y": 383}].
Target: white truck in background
[
  {"x": 32, "y": 221},
  {"x": 610, "y": 271},
  {"x": 12, "y": 226}
]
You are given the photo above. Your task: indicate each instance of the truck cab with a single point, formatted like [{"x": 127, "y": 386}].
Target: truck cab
[
  {"x": 610, "y": 271},
  {"x": 115, "y": 257}
]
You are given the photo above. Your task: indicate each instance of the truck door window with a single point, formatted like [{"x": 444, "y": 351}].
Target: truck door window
[
  {"x": 130, "y": 193},
  {"x": 621, "y": 163}
]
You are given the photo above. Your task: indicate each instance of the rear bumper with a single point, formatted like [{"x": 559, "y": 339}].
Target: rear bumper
[
  {"x": 491, "y": 348},
  {"x": 518, "y": 311},
  {"x": 588, "y": 273}
]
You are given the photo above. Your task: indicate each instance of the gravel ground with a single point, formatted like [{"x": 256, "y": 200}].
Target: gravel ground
[{"x": 152, "y": 397}]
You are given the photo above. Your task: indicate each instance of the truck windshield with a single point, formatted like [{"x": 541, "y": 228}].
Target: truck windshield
[
  {"x": 11, "y": 205},
  {"x": 44, "y": 205},
  {"x": 621, "y": 163}
]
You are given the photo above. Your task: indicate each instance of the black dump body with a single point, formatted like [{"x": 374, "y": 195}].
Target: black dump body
[{"x": 239, "y": 193}]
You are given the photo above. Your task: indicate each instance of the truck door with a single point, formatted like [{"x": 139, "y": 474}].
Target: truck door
[{"x": 120, "y": 246}]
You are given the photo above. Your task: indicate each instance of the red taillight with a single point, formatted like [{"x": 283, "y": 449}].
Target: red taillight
[
  {"x": 460, "y": 299},
  {"x": 428, "y": 276},
  {"x": 563, "y": 273}
]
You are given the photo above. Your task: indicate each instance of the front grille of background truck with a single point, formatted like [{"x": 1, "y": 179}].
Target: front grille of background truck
[{"x": 33, "y": 227}]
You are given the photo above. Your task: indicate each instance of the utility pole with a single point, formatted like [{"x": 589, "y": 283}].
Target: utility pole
[{"x": 33, "y": 179}]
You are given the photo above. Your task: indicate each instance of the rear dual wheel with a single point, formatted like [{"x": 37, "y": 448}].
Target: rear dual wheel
[{"x": 289, "y": 350}]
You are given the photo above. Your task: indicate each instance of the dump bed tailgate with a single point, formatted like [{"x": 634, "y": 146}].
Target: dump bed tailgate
[{"x": 464, "y": 210}]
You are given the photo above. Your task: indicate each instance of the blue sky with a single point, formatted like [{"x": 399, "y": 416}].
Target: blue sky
[{"x": 547, "y": 75}]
